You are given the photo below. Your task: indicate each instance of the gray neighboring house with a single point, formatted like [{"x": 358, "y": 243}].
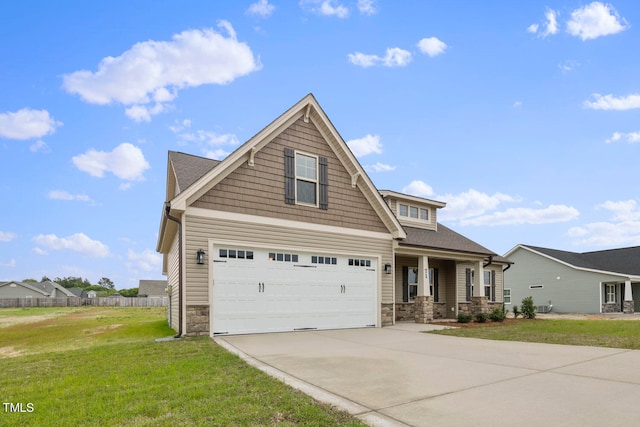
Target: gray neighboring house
[
  {"x": 45, "y": 289},
  {"x": 605, "y": 281},
  {"x": 152, "y": 288}
]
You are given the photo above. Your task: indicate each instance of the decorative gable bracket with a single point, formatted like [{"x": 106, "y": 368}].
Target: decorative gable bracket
[
  {"x": 307, "y": 113},
  {"x": 252, "y": 156},
  {"x": 354, "y": 179}
]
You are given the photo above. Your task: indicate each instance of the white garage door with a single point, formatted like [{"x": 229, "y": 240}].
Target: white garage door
[{"x": 258, "y": 290}]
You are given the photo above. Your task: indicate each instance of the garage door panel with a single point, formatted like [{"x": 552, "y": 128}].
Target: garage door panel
[{"x": 283, "y": 291}]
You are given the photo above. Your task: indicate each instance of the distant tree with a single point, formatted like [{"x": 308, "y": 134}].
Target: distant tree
[
  {"x": 106, "y": 282},
  {"x": 30, "y": 281},
  {"x": 45, "y": 279},
  {"x": 133, "y": 292},
  {"x": 73, "y": 282}
]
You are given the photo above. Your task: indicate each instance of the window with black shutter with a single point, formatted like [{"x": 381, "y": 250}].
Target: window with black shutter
[{"x": 306, "y": 179}]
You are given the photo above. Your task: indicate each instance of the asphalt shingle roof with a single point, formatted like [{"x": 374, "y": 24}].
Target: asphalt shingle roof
[
  {"x": 622, "y": 260},
  {"x": 444, "y": 238},
  {"x": 189, "y": 168}
]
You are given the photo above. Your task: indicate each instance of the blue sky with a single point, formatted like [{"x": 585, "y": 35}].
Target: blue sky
[{"x": 521, "y": 116}]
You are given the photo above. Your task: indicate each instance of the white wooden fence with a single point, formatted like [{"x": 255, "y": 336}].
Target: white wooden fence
[{"x": 79, "y": 302}]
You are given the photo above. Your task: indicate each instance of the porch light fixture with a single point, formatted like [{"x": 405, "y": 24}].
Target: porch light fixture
[
  {"x": 200, "y": 256},
  {"x": 387, "y": 268}
]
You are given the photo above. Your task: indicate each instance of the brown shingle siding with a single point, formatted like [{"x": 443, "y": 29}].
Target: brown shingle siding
[{"x": 259, "y": 190}]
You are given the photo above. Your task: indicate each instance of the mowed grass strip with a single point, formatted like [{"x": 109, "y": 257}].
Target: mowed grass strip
[
  {"x": 102, "y": 366},
  {"x": 597, "y": 333}
]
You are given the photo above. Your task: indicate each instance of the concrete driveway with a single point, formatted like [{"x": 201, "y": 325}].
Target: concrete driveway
[{"x": 399, "y": 376}]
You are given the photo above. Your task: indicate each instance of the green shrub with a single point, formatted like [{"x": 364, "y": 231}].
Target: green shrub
[
  {"x": 481, "y": 317},
  {"x": 516, "y": 311},
  {"x": 464, "y": 318},
  {"x": 528, "y": 308},
  {"x": 498, "y": 314}
]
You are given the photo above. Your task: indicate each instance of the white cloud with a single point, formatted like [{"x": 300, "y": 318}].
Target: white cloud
[
  {"x": 326, "y": 8},
  {"x": 211, "y": 143},
  {"x": 470, "y": 203},
  {"x": 610, "y": 102},
  {"x": 10, "y": 264},
  {"x": 78, "y": 242},
  {"x": 381, "y": 167},
  {"x": 365, "y": 145},
  {"x": 568, "y": 65},
  {"x": 550, "y": 25},
  {"x": 394, "y": 57},
  {"x": 261, "y": 8},
  {"x": 65, "y": 195},
  {"x": 517, "y": 104},
  {"x": 27, "y": 124},
  {"x": 595, "y": 20},
  {"x": 363, "y": 60},
  {"x": 146, "y": 260},
  {"x": 631, "y": 137},
  {"x": 432, "y": 46},
  {"x": 148, "y": 75},
  {"x": 40, "y": 251},
  {"x": 126, "y": 161},
  {"x": 39, "y": 145},
  {"x": 6, "y": 236},
  {"x": 623, "y": 228},
  {"x": 418, "y": 188},
  {"x": 517, "y": 216},
  {"x": 366, "y": 7}
]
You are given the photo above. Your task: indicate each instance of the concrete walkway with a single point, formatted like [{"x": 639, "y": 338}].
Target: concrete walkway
[{"x": 399, "y": 376}]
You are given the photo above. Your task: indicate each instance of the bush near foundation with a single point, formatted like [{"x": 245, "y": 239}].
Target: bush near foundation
[
  {"x": 464, "y": 318},
  {"x": 528, "y": 308}
]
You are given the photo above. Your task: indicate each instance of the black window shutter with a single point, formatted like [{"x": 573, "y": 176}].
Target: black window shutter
[
  {"x": 436, "y": 297},
  {"x": 468, "y": 283},
  {"x": 323, "y": 180},
  {"x": 405, "y": 284},
  {"x": 289, "y": 176},
  {"x": 493, "y": 285}
]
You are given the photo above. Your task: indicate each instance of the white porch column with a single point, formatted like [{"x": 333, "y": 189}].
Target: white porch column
[
  {"x": 478, "y": 282},
  {"x": 628, "y": 296},
  {"x": 423, "y": 277}
]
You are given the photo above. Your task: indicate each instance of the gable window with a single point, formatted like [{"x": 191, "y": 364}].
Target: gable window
[
  {"x": 413, "y": 212},
  {"x": 306, "y": 179}
]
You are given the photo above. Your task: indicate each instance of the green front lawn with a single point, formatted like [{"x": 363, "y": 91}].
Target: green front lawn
[
  {"x": 598, "y": 333},
  {"x": 101, "y": 366}
]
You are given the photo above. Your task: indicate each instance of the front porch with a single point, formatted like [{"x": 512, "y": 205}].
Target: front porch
[
  {"x": 617, "y": 297},
  {"x": 442, "y": 287}
]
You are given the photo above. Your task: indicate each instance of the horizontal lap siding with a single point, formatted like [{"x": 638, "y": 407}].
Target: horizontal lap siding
[
  {"x": 199, "y": 230},
  {"x": 259, "y": 189},
  {"x": 173, "y": 281}
]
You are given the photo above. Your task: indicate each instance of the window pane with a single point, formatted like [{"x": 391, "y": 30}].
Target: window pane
[
  {"x": 223, "y": 253},
  {"x": 414, "y": 212},
  {"x": 241, "y": 254},
  {"x": 507, "y": 296},
  {"x": 413, "y": 275},
  {"x": 232, "y": 253},
  {"x": 287, "y": 257},
  {"x": 487, "y": 277},
  {"x": 249, "y": 254},
  {"x": 305, "y": 166},
  {"x": 294, "y": 258},
  {"x": 306, "y": 192},
  {"x": 280, "y": 257},
  {"x": 272, "y": 256},
  {"x": 404, "y": 210},
  {"x": 424, "y": 214}
]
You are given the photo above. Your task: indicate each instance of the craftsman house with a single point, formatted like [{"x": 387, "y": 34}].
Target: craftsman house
[
  {"x": 289, "y": 233},
  {"x": 571, "y": 282}
]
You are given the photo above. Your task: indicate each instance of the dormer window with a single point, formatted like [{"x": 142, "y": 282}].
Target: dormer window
[{"x": 413, "y": 212}]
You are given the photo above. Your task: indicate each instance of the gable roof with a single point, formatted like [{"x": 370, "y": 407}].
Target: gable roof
[
  {"x": 152, "y": 288},
  {"x": 624, "y": 261},
  {"x": 45, "y": 288},
  {"x": 446, "y": 239},
  {"x": 189, "y": 168},
  {"x": 28, "y": 285},
  {"x": 308, "y": 109}
]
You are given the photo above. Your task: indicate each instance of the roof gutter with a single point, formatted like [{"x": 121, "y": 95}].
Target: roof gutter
[
  {"x": 167, "y": 209},
  {"x": 489, "y": 263}
]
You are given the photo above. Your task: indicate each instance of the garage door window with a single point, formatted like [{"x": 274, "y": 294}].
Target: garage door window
[
  {"x": 235, "y": 253},
  {"x": 319, "y": 259},
  {"x": 282, "y": 257},
  {"x": 355, "y": 262}
]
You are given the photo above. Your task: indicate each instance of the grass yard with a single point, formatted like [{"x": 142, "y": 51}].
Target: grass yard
[
  {"x": 587, "y": 332},
  {"x": 99, "y": 366}
]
